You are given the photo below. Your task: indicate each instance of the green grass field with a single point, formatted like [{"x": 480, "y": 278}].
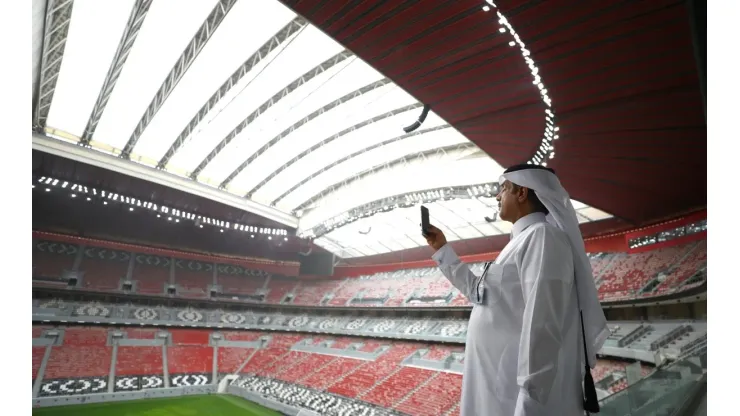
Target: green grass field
[{"x": 207, "y": 405}]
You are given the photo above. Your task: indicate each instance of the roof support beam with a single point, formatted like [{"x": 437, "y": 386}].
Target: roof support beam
[
  {"x": 383, "y": 166},
  {"x": 38, "y": 19},
  {"x": 355, "y": 154},
  {"x": 58, "y": 18},
  {"x": 287, "y": 31},
  {"x": 137, "y": 170},
  {"x": 182, "y": 65},
  {"x": 316, "y": 71},
  {"x": 330, "y": 139},
  {"x": 135, "y": 21},
  {"x": 303, "y": 121}
]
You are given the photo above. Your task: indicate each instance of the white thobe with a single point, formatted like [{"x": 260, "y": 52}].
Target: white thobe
[{"x": 523, "y": 353}]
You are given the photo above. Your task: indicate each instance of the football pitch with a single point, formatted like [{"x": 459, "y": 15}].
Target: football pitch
[{"x": 207, "y": 405}]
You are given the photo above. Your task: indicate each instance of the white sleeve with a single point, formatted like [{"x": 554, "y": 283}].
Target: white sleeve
[
  {"x": 457, "y": 272},
  {"x": 546, "y": 273}
]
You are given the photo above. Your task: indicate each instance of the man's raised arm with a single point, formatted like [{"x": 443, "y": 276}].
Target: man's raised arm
[{"x": 457, "y": 272}]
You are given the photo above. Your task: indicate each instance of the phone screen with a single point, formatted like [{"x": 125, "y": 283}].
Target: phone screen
[{"x": 424, "y": 220}]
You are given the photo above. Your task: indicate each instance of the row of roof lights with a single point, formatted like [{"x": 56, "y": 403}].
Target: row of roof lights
[
  {"x": 171, "y": 214},
  {"x": 547, "y": 148}
]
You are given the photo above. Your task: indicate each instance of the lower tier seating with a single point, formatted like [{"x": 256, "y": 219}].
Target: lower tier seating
[
  {"x": 138, "y": 361},
  {"x": 230, "y": 359},
  {"x": 377, "y": 378},
  {"x": 190, "y": 359},
  {"x": 78, "y": 361}
]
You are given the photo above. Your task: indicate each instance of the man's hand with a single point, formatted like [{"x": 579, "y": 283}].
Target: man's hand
[{"x": 435, "y": 238}]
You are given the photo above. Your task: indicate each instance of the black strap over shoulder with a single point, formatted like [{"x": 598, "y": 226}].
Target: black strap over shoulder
[{"x": 590, "y": 399}]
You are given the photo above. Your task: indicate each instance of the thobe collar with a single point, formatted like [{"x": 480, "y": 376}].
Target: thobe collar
[{"x": 524, "y": 222}]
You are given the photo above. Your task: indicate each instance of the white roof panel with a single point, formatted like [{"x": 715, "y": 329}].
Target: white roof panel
[
  {"x": 334, "y": 122},
  {"x": 300, "y": 53},
  {"x": 244, "y": 30},
  {"x": 151, "y": 59},
  {"x": 296, "y": 120},
  {"x": 95, "y": 26}
]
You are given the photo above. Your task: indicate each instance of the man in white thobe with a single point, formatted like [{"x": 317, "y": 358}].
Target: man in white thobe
[{"x": 524, "y": 352}]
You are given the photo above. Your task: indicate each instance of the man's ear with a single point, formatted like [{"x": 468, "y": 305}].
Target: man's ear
[{"x": 522, "y": 194}]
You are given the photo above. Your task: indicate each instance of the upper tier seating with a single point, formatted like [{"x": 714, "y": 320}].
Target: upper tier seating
[
  {"x": 619, "y": 276},
  {"x": 312, "y": 292},
  {"x": 628, "y": 274},
  {"x": 278, "y": 288},
  {"x": 237, "y": 280},
  {"x": 104, "y": 269},
  {"x": 694, "y": 261},
  {"x": 193, "y": 278},
  {"x": 51, "y": 259},
  {"x": 151, "y": 273}
]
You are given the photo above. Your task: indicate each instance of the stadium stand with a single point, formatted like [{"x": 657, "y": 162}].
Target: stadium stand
[
  {"x": 37, "y": 356},
  {"x": 103, "y": 269},
  {"x": 140, "y": 333},
  {"x": 193, "y": 278},
  {"x": 138, "y": 361},
  {"x": 331, "y": 373},
  {"x": 237, "y": 280},
  {"x": 370, "y": 375},
  {"x": 278, "y": 288},
  {"x": 51, "y": 260},
  {"x": 619, "y": 276},
  {"x": 189, "y": 357},
  {"x": 628, "y": 275},
  {"x": 380, "y": 377},
  {"x": 306, "y": 367},
  {"x": 313, "y": 292},
  {"x": 693, "y": 262},
  {"x": 627, "y": 337},
  {"x": 435, "y": 396},
  {"x": 151, "y": 274},
  {"x": 80, "y": 364},
  {"x": 231, "y": 358}
]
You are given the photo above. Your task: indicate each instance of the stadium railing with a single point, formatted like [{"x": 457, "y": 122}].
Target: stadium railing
[{"x": 664, "y": 392}]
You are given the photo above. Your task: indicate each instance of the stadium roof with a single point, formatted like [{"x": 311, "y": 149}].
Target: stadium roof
[{"x": 255, "y": 107}]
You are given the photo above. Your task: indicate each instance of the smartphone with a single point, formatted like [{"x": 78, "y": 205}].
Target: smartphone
[{"x": 424, "y": 221}]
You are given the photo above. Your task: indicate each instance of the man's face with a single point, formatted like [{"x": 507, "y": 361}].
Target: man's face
[{"x": 508, "y": 204}]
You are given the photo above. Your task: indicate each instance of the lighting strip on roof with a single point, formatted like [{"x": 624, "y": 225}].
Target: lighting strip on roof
[
  {"x": 119, "y": 165},
  {"x": 547, "y": 148},
  {"x": 162, "y": 211}
]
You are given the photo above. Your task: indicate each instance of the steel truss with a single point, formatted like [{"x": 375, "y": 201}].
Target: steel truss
[
  {"x": 330, "y": 139},
  {"x": 287, "y": 31},
  {"x": 133, "y": 26},
  {"x": 56, "y": 27},
  {"x": 390, "y": 164},
  {"x": 336, "y": 103},
  {"x": 182, "y": 65},
  {"x": 313, "y": 73},
  {"x": 353, "y": 155}
]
